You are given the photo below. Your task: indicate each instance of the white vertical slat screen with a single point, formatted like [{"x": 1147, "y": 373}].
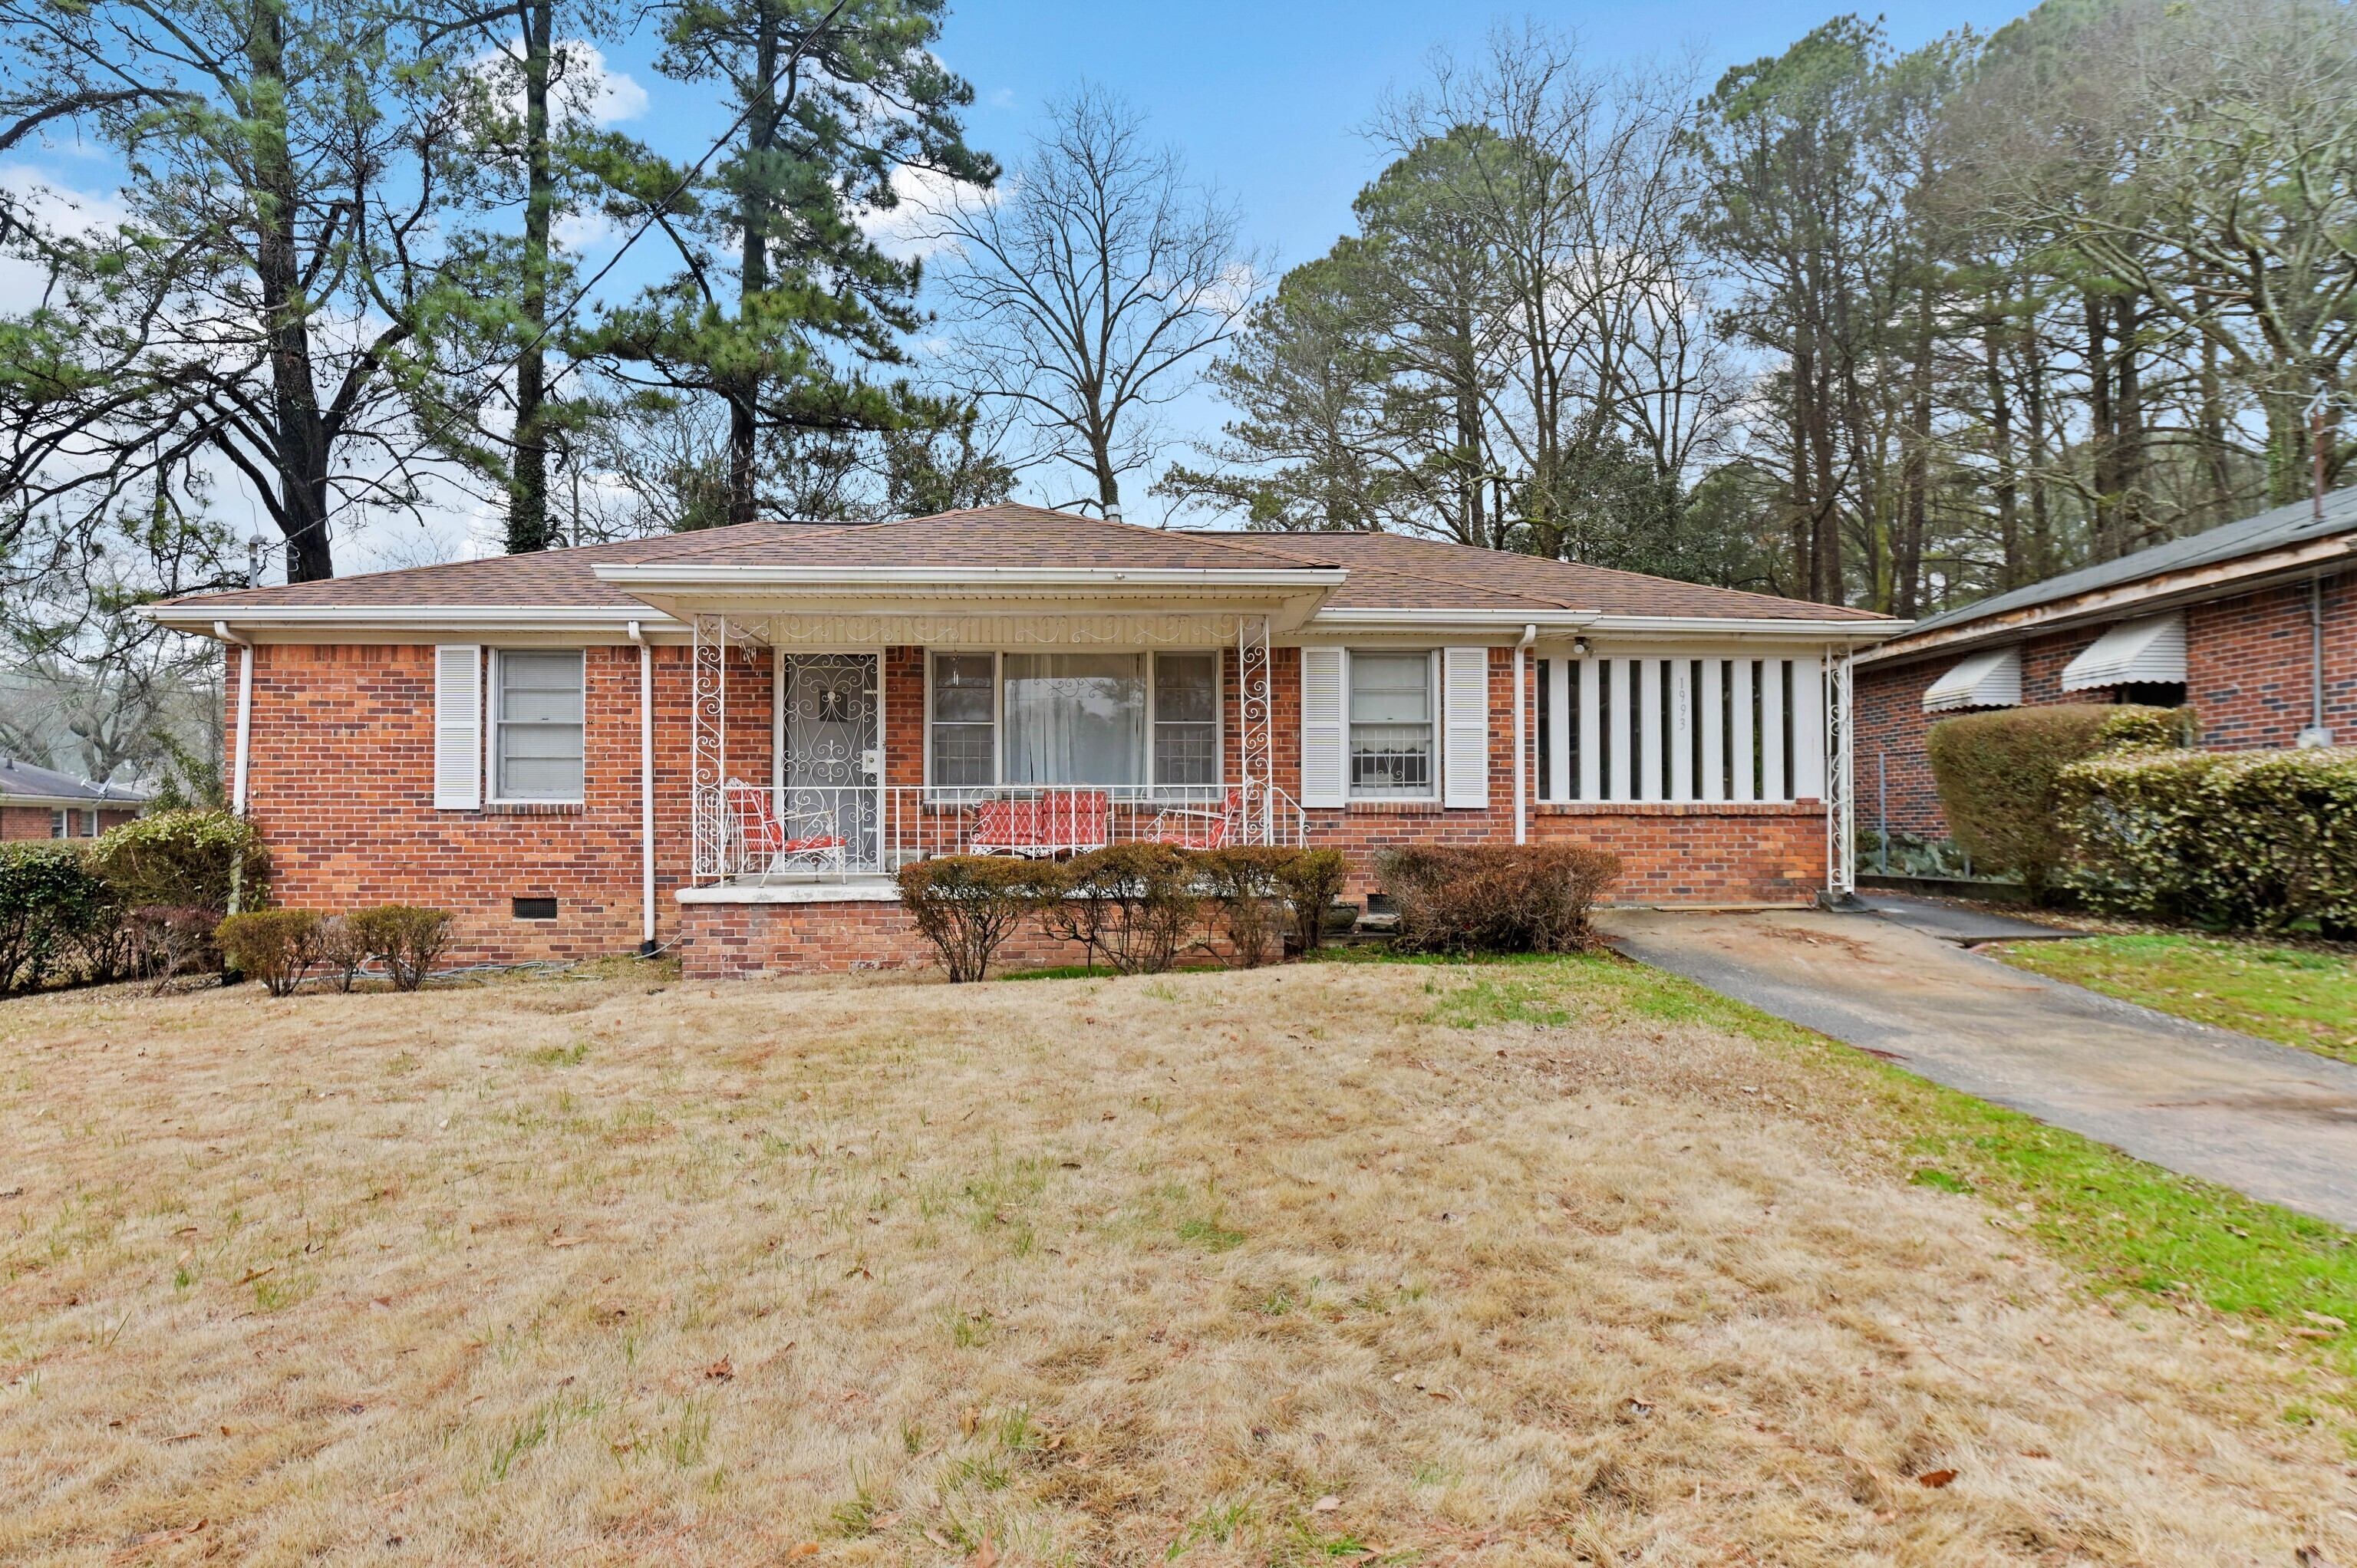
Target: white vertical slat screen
[
  {"x": 1465, "y": 723},
  {"x": 457, "y": 726},
  {"x": 1746, "y": 761},
  {"x": 1325, "y": 740},
  {"x": 1698, "y": 727},
  {"x": 1808, "y": 730},
  {"x": 1682, "y": 729},
  {"x": 1713, "y": 725},
  {"x": 1591, "y": 717}
]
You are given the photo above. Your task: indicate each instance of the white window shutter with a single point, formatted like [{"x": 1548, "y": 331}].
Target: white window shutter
[
  {"x": 457, "y": 726},
  {"x": 1465, "y": 716},
  {"x": 1325, "y": 729}
]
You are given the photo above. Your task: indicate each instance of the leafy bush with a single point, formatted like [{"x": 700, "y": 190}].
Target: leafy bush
[
  {"x": 1133, "y": 902},
  {"x": 49, "y": 901},
  {"x": 966, "y": 904},
  {"x": 277, "y": 947},
  {"x": 411, "y": 940},
  {"x": 1496, "y": 898},
  {"x": 2239, "y": 840},
  {"x": 2000, "y": 776},
  {"x": 185, "y": 860},
  {"x": 1312, "y": 880}
]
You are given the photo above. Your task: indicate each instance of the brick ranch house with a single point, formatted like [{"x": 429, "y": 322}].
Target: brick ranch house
[
  {"x": 42, "y": 803},
  {"x": 727, "y": 740},
  {"x": 2250, "y": 623}
]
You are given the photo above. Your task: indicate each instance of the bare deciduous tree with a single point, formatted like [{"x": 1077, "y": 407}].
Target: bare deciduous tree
[{"x": 1091, "y": 292}]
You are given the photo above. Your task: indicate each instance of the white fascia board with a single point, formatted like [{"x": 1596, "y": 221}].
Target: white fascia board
[
  {"x": 971, "y": 582},
  {"x": 414, "y": 621},
  {"x": 73, "y": 803},
  {"x": 1336, "y": 624}
]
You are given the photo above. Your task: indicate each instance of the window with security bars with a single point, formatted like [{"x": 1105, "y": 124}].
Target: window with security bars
[
  {"x": 1691, "y": 728},
  {"x": 1391, "y": 724}
]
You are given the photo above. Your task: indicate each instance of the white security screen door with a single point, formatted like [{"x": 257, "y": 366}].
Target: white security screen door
[{"x": 834, "y": 760}]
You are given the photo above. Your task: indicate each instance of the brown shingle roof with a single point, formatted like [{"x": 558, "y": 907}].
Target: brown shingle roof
[
  {"x": 1385, "y": 571},
  {"x": 1378, "y": 560}
]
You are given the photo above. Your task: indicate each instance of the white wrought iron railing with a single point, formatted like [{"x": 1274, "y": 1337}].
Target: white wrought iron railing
[{"x": 827, "y": 834}]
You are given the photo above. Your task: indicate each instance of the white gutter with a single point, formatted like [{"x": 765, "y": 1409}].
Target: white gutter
[
  {"x": 646, "y": 792},
  {"x": 198, "y": 616},
  {"x": 244, "y": 712},
  {"x": 1522, "y": 744}
]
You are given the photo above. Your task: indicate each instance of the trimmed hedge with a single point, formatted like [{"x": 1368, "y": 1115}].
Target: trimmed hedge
[
  {"x": 190, "y": 859},
  {"x": 967, "y": 905},
  {"x": 410, "y": 939},
  {"x": 50, "y": 902},
  {"x": 2235, "y": 839},
  {"x": 1533, "y": 897},
  {"x": 277, "y": 947},
  {"x": 2000, "y": 776}
]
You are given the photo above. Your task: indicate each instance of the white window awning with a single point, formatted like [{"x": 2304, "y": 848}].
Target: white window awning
[
  {"x": 1990, "y": 680},
  {"x": 2152, "y": 649}
]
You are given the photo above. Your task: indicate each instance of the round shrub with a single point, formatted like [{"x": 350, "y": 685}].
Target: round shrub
[
  {"x": 2000, "y": 776},
  {"x": 1533, "y": 897},
  {"x": 277, "y": 946},
  {"x": 187, "y": 860}
]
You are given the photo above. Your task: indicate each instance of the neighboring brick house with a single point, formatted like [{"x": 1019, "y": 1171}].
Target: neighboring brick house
[
  {"x": 2252, "y": 624},
  {"x": 727, "y": 740},
  {"x": 42, "y": 803}
]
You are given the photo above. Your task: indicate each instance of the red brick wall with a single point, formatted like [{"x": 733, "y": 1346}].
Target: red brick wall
[
  {"x": 33, "y": 822},
  {"x": 2247, "y": 662}
]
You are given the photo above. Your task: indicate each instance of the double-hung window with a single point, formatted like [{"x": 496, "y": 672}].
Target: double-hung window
[
  {"x": 1391, "y": 724},
  {"x": 536, "y": 727},
  {"x": 1101, "y": 720}
]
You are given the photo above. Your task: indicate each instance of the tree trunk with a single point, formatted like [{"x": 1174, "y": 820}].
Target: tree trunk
[
  {"x": 528, "y": 527},
  {"x": 300, "y": 438},
  {"x": 1907, "y": 550},
  {"x": 2007, "y": 489},
  {"x": 744, "y": 390}
]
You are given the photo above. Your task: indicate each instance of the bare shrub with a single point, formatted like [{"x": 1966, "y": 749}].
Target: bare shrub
[
  {"x": 174, "y": 939},
  {"x": 343, "y": 949},
  {"x": 1136, "y": 903},
  {"x": 1312, "y": 880},
  {"x": 411, "y": 940},
  {"x": 277, "y": 947},
  {"x": 1497, "y": 898},
  {"x": 1246, "y": 883},
  {"x": 966, "y": 904}
]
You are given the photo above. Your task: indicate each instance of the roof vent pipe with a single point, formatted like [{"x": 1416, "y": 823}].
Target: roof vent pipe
[{"x": 1113, "y": 511}]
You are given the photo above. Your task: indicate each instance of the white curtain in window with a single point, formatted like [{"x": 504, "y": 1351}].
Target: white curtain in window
[{"x": 1075, "y": 718}]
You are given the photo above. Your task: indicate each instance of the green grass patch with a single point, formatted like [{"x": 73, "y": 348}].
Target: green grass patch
[
  {"x": 2127, "y": 1226},
  {"x": 2295, "y": 996}
]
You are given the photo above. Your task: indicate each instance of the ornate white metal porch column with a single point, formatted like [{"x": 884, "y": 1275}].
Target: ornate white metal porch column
[
  {"x": 708, "y": 744},
  {"x": 1841, "y": 792},
  {"x": 1257, "y": 764}
]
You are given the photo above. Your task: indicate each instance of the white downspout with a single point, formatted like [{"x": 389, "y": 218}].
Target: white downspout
[
  {"x": 1522, "y": 742},
  {"x": 646, "y": 790},
  {"x": 244, "y": 713}
]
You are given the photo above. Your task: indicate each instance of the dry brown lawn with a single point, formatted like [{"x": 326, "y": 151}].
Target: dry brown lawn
[{"x": 1284, "y": 1266}]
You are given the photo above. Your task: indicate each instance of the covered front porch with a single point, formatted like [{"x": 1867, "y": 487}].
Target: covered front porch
[{"x": 826, "y": 752}]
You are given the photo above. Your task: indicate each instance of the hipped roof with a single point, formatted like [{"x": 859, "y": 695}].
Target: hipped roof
[{"x": 1383, "y": 572}]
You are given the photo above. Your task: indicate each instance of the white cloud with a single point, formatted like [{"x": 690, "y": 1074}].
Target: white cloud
[
  {"x": 584, "y": 231},
  {"x": 59, "y": 208},
  {"x": 909, "y": 231},
  {"x": 1002, "y": 98},
  {"x": 585, "y": 87}
]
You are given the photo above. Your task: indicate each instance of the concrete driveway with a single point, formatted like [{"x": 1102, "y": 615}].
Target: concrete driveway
[{"x": 2277, "y": 1123}]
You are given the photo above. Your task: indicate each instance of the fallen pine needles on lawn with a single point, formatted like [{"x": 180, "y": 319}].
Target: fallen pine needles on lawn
[{"x": 1550, "y": 1262}]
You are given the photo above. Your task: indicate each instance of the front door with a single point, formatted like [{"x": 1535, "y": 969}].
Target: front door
[{"x": 833, "y": 765}]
